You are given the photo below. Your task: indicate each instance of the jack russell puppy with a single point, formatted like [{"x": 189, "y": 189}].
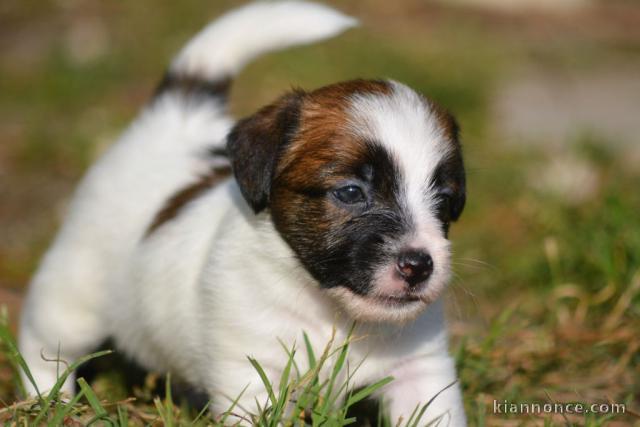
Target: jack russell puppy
[{"x": 196, "y": 241}]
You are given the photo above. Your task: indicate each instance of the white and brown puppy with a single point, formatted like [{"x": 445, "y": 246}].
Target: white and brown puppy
[{"x": 338, "y": 210}]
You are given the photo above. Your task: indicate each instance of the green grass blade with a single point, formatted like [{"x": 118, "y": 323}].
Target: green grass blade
[
  {"x": 426, "y": 405},
  {"x": 168, "y": 405},
  {"x": 65, "y": 410},
  {"x": 368, "y": 391},
  {"x": 337, "y": 368},
  {"x": 201, "y": 415},
  {"x": 289, "y": 354},
  {"x": 345, "y": 385},
  {"x": 419, "y": 416},
  {"x": 123, "y": 416},
  {"x": 265, "y": 380},
  {"x": 348, "y": 421},
  {"x": 413, "y": 415},
  {"x": 16, "y": 359},
  {"x": 157, "y": 402},
  {"x": 285, "y": 388},
  {"x": 94, "y": 402},
  {"x": 232, "y": 407},
  {"x": 55, "y": 390},
  {"x": 311, "y": 357}
]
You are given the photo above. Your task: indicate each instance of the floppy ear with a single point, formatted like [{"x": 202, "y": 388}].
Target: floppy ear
[
  {"x": 255, "y": 143},
  {"x": 458, "y": 173},
  {"x": 449, "y": 176}
]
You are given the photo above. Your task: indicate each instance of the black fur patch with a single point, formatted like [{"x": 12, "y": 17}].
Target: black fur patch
[
  {"x": 194, "y": 87},
  {"x": 367, "y": 412},
  {"x": 343, "y": 245},
  {"x": 134, "y": 377},
  {"x": 449, "y": 177},
  {"x": 449, "y": 182},
  {"x": 255, "y": 143}
]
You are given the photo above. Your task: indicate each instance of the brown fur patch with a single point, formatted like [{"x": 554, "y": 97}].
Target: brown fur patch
[
  {"x": 445, "y": 121},
  {"x": 175, "y": 203},
  {"x": 323, "y": 152},
  {"x": 254, "y": 145},
  {"x": 324, "y": 136}
]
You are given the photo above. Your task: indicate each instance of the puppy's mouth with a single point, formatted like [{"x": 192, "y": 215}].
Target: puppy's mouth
[
  {"x": 400, "y": 299},
  {"x": 396, "y": 307},
  {"x": 396, "y": 300}
]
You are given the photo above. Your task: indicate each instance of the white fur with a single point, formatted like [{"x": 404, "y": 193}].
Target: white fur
[
  {"x": 217, "y": 283},
  {"x": 162, "y": 152},
  {"x": 402, "y": 123},
  {"x": 236, "y": 290},
  {"x": 244, "y": 33}
]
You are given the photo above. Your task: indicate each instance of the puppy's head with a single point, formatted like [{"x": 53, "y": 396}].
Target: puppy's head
[{"x": 362, "y": 180}]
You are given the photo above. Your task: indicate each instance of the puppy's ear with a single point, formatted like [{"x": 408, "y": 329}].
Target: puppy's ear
[
  {"x": 255, "y": 144},
  {"x": 458, "y": 173},
  {"x": 449, "y": 176}
]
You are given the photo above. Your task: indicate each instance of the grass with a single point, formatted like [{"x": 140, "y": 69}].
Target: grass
[
  {"x": 298, "y": 398},
  {"x": 545, "y": 304}
]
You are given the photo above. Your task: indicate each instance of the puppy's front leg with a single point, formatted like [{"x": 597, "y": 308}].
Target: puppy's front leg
[{"x": 429, "y": 378}]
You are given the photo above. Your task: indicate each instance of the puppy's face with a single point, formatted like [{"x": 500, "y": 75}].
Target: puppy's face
[{"x": 362, "y": 180}]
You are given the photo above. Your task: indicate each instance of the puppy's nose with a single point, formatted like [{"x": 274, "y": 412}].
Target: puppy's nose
[{"x": 414, "y": 266}]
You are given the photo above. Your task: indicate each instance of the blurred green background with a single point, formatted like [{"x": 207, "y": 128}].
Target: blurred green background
[{"x": 545, "y": 304}]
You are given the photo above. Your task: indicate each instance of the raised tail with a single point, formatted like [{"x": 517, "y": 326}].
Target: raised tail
[{"x": 209, "y": 60}]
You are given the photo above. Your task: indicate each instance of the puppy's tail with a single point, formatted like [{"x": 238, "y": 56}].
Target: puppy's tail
[{"x": 207, "y": 63}]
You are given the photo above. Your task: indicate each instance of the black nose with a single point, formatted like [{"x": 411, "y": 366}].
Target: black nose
[{"x": 414, "y": 266}]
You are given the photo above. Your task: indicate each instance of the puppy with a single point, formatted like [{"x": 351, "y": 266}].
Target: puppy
[{"x": 337, "y": 210}]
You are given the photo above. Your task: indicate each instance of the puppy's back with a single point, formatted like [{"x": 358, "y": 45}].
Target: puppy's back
[{"x": 166, "y": 149}]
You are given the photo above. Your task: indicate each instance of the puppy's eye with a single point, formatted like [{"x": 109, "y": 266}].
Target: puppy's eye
[
  {"x": 444, "y": 208},
  {"x": 350, "y": 194}
]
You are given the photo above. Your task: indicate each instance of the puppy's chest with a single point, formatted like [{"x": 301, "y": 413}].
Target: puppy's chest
[{"x": 273, "y": 326}]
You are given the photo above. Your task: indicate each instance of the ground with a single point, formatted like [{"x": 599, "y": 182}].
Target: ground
[{"x": 545, "y": 304}]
